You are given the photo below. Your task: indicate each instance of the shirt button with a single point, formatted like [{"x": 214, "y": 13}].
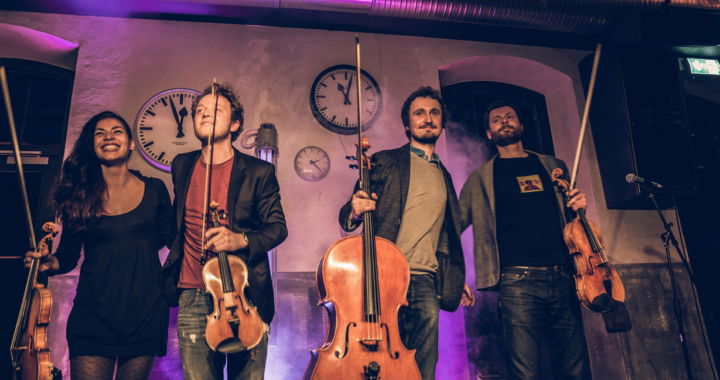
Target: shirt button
[{"x": 398, "y": 222}]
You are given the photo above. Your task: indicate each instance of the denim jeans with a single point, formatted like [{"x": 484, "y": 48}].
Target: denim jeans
[
  {"x": 418, "y": 323},
  {"x": 536, "y": 305},
  {"x": 199, "y": 361}
]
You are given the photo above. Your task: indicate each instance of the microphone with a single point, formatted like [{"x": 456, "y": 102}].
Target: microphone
[{"x": 632, "y": 178}]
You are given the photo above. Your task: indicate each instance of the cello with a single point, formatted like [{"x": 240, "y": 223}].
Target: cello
[
  {"x": 598, "y": 284},
  {"x": 234, "y": 325},
  {"x": 29, "y": 350},
  {"x": 362, "y": 281}
]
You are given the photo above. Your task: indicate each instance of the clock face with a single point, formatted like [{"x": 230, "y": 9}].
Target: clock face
[
  {"x": 312, "y": 164},
  {"x": 333, "y": 99},
  {"x": 164, "y": 127}
]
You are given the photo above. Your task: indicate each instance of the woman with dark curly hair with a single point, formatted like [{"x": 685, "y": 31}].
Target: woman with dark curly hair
[{"x": 120, "y": 219}]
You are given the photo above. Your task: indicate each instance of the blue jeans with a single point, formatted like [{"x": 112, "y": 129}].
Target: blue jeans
[
  {"x": 535, "y": 305},
  {"x": 418, "y": 323},
  {"x": 199, "y": 361}
]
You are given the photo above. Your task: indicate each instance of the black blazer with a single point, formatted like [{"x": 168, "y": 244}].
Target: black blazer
[
  {"x": 390, "y": 180},
  {"x": 253, "y": 208}
]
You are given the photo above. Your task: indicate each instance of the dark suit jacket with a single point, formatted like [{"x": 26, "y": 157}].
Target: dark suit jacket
[
  {"x": 390, "y": 180},
  {"x": 253, "y": 208}
]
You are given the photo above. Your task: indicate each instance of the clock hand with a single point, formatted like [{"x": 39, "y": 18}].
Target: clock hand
[
  {"x": 341, "y": 88},
  {"x": 313, "y": 163},
  {"x": 183, "y": 113},
  {"x": 175, "y": 114},
  {"x": 347, "y": 96}
]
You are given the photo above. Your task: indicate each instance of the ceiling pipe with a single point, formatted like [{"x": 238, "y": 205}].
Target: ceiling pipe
[{"x": 575, "y": 16}]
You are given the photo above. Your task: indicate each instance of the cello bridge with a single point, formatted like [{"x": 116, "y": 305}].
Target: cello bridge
[{"x": 369, "y": 342}]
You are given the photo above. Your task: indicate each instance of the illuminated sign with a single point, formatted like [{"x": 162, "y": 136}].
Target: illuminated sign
[{"x": 704, "y": 66}]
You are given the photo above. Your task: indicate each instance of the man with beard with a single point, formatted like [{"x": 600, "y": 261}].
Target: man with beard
[
  {"x": 415, "y": 206},
  {"x": 247, "y": 189},
  {"x": 520, "y": 251}
]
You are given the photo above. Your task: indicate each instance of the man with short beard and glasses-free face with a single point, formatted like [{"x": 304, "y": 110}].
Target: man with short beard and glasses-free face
[
  {"x": 247, "y": 189},
  {"x": 415, "y": 206},
  {"x": 518, "y": 218}
]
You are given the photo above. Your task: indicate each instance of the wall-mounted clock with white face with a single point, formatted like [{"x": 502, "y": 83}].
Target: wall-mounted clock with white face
[
  {"x": 164, "y": 127},
  {"x": 312, "y": 163},
  {"x": 333, "y": 99}
]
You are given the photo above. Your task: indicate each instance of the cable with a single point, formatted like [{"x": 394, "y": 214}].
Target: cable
[
  {"x": 694, "y": 290},
  {"x": 248, "y": 135}
]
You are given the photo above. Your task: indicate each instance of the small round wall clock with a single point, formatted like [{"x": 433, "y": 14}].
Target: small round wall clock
[
  {"x": 333, "y": 99},
  {"x": 164, "y": 127},
  {"x": 312, "y": 163}
]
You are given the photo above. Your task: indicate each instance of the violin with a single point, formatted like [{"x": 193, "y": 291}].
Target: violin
[
  {"x": 363, "y": 282},
  {"x": 29, "y": 350},
  {"x": 596, "y": 279},
  {"x": 234, "y": 325}
]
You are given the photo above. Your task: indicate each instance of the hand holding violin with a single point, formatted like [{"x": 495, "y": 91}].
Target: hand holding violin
[
  {"x": 577, "y": 200},
  {"x": 48, "y": 262},
  {"x": 222, "y": 239}
]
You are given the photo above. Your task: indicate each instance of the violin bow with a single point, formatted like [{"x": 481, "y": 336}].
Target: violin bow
[
  {"x": 16, "y": 150},
  {"x": 359, "y": 107},
  {"x": 20, "y": 324},
  {"x": 208, "y": 169},
  {"x": 586, "y": 114}
]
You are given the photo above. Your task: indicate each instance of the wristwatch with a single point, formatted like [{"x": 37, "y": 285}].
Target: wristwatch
[{"x": 246, "y": 239}]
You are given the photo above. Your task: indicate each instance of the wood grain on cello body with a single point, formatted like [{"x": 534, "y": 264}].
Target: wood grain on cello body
[{"x": 355, "y": 339}]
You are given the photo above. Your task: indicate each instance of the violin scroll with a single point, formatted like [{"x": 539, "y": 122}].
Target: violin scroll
[
  {"x": 45, "y": 243},
  {"x": 558, "y": 177}
]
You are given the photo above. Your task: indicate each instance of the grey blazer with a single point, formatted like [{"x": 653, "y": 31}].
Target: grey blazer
[
  {"x": 390, "y": 180},
  {"x": 477, "y": 207}
]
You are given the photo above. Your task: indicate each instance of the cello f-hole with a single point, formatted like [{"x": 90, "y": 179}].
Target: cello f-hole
[
  {"x": 347, "y": 338},
  {"x": 394, "y": 355}
]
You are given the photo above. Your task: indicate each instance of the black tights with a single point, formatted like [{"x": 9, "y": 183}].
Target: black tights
[{"x": 101, "y": 367}]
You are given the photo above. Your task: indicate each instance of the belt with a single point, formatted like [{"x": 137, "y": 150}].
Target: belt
[{"x": 555, "y": 268}]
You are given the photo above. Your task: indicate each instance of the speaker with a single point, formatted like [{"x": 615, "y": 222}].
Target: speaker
[{"x": 639, "y": 126}]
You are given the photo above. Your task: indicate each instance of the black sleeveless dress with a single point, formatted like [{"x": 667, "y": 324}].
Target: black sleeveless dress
[{"x": 118, "y": 309}]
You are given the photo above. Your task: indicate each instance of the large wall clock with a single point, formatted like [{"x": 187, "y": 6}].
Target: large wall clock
[
  {"x": 333, "y": 99},
  {"x": 164, "y": 127}
]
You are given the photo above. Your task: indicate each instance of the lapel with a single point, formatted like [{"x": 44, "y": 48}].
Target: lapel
[
  {"x": 403, "y": 165},
  {"x": 237, "y": 176},
  {"x": 487, "y": 173},
  {"x": 183, "y": 185}
]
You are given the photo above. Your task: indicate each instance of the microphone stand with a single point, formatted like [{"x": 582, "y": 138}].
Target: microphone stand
[{"x": 668, "y": 237}]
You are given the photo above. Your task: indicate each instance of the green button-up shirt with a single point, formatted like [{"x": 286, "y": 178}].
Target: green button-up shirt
[{"x": 435, "y": 159}]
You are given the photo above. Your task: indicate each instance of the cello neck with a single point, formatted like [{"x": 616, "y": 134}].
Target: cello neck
[{"x": 371, "y": 291}]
